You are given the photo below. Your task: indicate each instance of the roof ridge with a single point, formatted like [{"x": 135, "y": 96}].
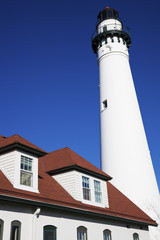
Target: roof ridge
[
  {"x": 69, "y": 153},
  {"x": 59, "y": 150}
]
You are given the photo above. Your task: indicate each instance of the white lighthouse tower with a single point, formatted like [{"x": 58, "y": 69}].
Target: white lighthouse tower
[{"x": 124, "y": 150}]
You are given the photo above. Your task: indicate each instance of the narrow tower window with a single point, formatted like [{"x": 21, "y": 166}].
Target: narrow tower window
[
  {"x": 104, "y": 104},
  {"x": 104, "y": 29}
]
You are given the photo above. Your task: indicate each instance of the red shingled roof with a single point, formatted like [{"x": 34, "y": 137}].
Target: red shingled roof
[
  {"x": 65, "y": 157},
  {"x": 5, "y": 141},
  {"x": 51, "y": 192},
  {"x": 2, "y": 137}
]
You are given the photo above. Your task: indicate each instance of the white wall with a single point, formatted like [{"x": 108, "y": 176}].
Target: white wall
[
  {"x": 66, "y": 225},
  {"x": 7, "y": 165},
  {"x": 16, "y": 213},
  {"x": 10, "y": 166}
]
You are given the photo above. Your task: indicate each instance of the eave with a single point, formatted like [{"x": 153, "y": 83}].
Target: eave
[
  {"x": 79, "y": 169},
  {"x": 73, "y": 210},
  {"x": 20, "y": 146}
]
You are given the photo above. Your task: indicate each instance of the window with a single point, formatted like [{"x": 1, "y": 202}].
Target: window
[
  {"x": 97, "y": 191},
  {"x": 15, "y": 230},
  {"x": 86, "y": 188},
  {"x": 49, "y": 232},
  {"x": 81, "y": 233},
  {"x": 26, "y": 171},
  {"x": 135, "y": 236},
  {"x": 107, "y": 235},
  {"x": 105, "y": 29},
  {"x": 104, "y": 104},
  {"x": 1, "y": 229}
]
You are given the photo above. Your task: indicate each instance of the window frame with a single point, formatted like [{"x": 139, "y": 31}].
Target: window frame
[
  {"x": 27, "y": 171},
  {"x": 104, "y": 104},
  {"x": 82, "y": 229},
  {"x": 17, "y": 224},
  {"x": 135, "y": 236},
  {"x": 107, "y": 232},
  {"x": 52, "y": 228},
  {"x": 1, "y": 228},
  {"x": 86, "y": 189},
  {"x": 96, "y": 191}
]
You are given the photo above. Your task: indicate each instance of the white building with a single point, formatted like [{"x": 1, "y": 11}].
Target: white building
[{"x": 60, "y": 195}]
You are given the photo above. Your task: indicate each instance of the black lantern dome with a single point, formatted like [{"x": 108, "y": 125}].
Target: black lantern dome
[{"x": 107, "y": 13}]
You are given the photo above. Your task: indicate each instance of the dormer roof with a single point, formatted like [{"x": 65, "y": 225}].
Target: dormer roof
[
  {"x": 65, "y": 159},
  {"x": 18, "y": 142}
]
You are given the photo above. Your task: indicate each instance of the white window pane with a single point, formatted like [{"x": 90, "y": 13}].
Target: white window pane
[
  {"x": 97, "y": 186},
  {"x": 97, "y": 191},
  {"x": 26, "y": 163},
  {"x": 86, "y": 189},
  {"x": 26, "y": 178}
]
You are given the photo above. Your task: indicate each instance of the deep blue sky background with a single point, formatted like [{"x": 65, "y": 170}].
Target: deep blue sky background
[{"x": 49, "y": 75}]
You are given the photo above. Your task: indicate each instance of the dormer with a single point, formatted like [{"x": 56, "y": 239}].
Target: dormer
[
  {"x": 83, "y": 187},
  {"x": 82, "y": 180},
  {"x": 19, "y": 162}
]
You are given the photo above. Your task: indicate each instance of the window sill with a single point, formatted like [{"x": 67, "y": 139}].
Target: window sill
[
  {"x": 26, "y": 188},
  {"x": 89, "y": 202}
]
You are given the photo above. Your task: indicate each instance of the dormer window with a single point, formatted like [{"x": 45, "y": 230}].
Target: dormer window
[
  {"x": 97, "y": 191},
  {"x": 86, "y": 188},
  {"x": 26, "y": 176}
]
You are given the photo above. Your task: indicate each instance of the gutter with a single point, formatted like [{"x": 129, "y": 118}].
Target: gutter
[{"x": 74, "y": 210}]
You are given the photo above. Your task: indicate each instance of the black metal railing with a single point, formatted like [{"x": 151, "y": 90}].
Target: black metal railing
[
  {"x": 110, "y": 31},
  {"x": 110, "y": 27}
]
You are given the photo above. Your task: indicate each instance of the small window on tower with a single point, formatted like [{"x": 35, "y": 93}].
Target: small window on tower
[
  {"x": 104, "y": 104},
  {"x": 104, "y": 29}
]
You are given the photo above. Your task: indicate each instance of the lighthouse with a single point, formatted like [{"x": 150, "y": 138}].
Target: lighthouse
[{"x": 125, "y": 153}]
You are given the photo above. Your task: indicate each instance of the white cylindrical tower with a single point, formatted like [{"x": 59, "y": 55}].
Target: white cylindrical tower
[{"x": 124, "y": 150}]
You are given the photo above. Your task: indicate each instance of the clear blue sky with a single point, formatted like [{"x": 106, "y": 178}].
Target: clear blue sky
[{"x": 49, "y": 75}]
